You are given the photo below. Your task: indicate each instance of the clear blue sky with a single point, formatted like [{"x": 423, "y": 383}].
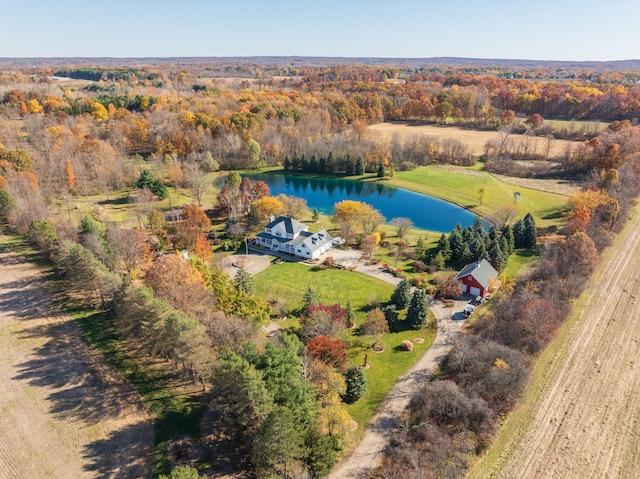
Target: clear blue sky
[{"x": 540, "y": 30}]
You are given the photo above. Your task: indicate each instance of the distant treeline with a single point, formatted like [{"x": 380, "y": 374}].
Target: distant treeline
[{"x": 97, "y": 74}]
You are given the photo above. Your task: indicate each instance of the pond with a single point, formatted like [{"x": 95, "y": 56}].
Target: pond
[{"x": 425, "y": 211}]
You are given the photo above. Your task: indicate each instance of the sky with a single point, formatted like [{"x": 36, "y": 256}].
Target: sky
[{"x": 576, "y": 30}]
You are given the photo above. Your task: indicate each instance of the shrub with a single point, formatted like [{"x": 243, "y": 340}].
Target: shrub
[
  {"x": 330, "y": 261},
  {"x": 448, "y": 287},
  {"x": 418, "y": 266},
  {"x": 375, "y": 324},
  {"x": 406, "y": 345}
]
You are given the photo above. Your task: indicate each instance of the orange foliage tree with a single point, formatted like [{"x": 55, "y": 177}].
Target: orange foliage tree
[{"x": 202, "y": 247}]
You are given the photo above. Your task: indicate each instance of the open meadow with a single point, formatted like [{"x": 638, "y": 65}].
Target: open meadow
[
  {"x": 463, "y": 188},
  {"x": 474, "y": 139}
]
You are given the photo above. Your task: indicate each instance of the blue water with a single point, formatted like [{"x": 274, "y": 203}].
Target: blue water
[{"x": 425, "y": 211}]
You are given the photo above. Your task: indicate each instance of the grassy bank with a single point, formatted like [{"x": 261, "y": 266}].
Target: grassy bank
[{"x": 463, "y": 190}]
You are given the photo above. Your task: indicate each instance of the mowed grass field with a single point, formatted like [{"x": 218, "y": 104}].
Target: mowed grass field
[
  {"x": 474, "y": 139},
  {"x": 463, "y": 189},
  {"x": 289, "y": 281}
]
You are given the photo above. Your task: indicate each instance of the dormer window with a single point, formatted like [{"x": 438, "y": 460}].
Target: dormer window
[{"x": 278, "y": 233}]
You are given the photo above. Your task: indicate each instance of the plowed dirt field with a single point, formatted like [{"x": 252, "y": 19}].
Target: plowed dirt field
[
  {"x": 64, "y": 412},
  {"x": 585, "y": 423}
]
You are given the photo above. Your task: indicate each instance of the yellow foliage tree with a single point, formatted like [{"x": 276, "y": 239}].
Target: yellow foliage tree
[
  {"x": 348, "y": 213},
  {"x": 33, "y": 106},
  {"x": 263, "y": 207},
  {"x": 99, "y": 112},
  {"x": 589, "y": 199}
]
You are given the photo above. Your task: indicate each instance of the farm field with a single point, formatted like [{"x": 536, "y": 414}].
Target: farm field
[
  {"x": 66, "y": 413},
  {"x": 474, "y": 139},
  {"x": 579, "y": 418},
  {"x": 463, "y": 188}
]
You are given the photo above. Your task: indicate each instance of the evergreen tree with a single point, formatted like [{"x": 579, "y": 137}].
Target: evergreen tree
[
  {"x": 418, "y": 310},
  {"x": 332, "y": 163},
  {"x": 278, "y": 448},
  {"x": 351, "y": 317},
  {"x": 390, "y": 316},
  {"x": 530, "y": 234},
  {"x": 381, "y": 170},
  {"x": 349, "y": 165},
  {"x": 493, "y": 234},
  {"x": 313, "y": 163},
  {"x": 360, "y": 166},
  {"x": 304, "y": 163},
  {"x": 322, "y": 165},
  {"x": 310, "y": 297},
  {"x": 156, "y": 187},
  {"x": 496, "y": 258},
  {"x": 321, "y": 448},
  {"x": 356, "y": 382},
  {"x": 442, "y": 242},
  {"x": 295, "y": 163},
  {"x": 315, "y": 216},
  {"x": 439, "y": 261},
  {"x": 244, "y": 281},
  {"x": 7, "y": 205},
  {"x": 456, "y": 245},
  {"x": 504, "y": 247},
  {"x": 402, "y": 294},
  {"x": 478, "y": 227},
  {"x": 287, "y": 163},
  {"x": 479, "y": 249},
  {"x": 466, "y": 256},
  {"x": 507, "y": 234},
  {"x": 420, "y": 248},
  {"x": 468, "y": 235},
  {"x": 518, "y": 234}
]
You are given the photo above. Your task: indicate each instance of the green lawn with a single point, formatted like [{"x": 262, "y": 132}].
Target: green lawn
[
  {"x": 385, "y": 368},
  {"x": 289, "y": 281},
  {"x": 462, "y": 189}
]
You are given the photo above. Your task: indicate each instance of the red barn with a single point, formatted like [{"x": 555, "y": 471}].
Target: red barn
[{"x": 476, "y": 277}]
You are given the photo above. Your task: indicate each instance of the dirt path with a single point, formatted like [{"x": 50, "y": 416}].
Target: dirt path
[
  {"x": 585, "y": 422},
  {"x": 65, "y": 413},
  {"x": 369, "y": 452}
]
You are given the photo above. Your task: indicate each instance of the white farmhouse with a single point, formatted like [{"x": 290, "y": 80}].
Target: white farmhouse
[{"x": 289, "y": 236}]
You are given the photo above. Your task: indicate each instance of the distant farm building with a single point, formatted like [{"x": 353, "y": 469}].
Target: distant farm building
[{"x": 475, "y": 278}]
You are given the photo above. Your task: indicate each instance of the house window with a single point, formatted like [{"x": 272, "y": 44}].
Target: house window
[{"x": 278, "y": 233}]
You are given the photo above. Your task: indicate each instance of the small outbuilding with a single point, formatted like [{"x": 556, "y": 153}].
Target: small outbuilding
[{"x": 476, "y": 277}]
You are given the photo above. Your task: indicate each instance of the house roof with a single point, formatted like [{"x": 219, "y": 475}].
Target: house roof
[
  {"x": 481, "y": 270},
  {"x": 291, "y": 226},
  {"x": 315, "y": 241}
]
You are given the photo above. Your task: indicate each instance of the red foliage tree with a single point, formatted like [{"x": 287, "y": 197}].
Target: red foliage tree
[{"x": 330, "y": 351}]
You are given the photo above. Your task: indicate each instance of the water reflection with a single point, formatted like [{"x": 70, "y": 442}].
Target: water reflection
[{"x": 322, "y": 193}]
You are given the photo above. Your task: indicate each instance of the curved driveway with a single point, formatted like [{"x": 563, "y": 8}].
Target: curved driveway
[{"x": 368, "y": 454}]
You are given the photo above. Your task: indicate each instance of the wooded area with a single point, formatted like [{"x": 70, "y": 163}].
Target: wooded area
[{"x": 144, "y": 136}]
